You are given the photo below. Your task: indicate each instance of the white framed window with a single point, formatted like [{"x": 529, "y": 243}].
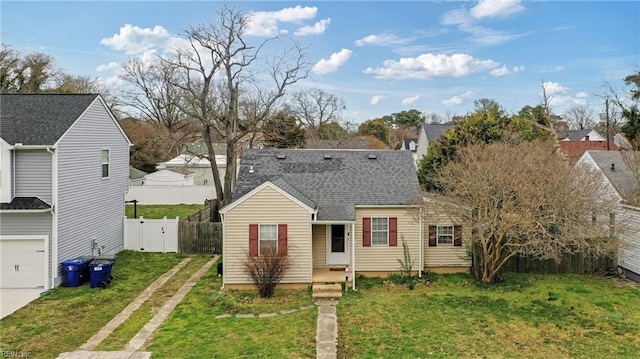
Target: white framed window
[
  {"x": 445, "y": 235},
  {"x": 379, "y": 231},
  {"x": 105, "y": 164},
  {"x": 268, "y": 237}
]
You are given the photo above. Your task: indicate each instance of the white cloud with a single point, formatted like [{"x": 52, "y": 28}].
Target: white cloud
[
  {"x": 336, "y": 60},
  {"x": 107, "y": 67},
  {"x": 554, "y": 88},
  {"x": 519, "y": 68},
  {"x": 429, "y": 65},
  {"x": 496, "y": 8},
  {"x": 455, "y": 100},
  {"x": 377, "y": 98},
  {"x": 582, "y": 94},
  {"x": 501, "y": 71},
  {"x": 136, "y": 40},
  {"x": 382, "y": 40},
  {"x": 410, "y": 100},
  {"x": 458, "y": 99},
  {"x": 559, "y": 68},
  {"x": 265, "y": 23},
  {"x": 316, "y": 29},
  {"x": 560, "y": 98}
]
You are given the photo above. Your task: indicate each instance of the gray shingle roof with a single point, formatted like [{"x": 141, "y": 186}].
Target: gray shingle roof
[
  {"x": 25, "y": 203},
  {"x": 577, "y": 135},
  {"x": 435, "y": 131},
  {"x": 335, "y": 186},
  {"x": 135, "y": 173},
  {"x": 622, "y": 177},
  {"x": 40, "y": 119}
]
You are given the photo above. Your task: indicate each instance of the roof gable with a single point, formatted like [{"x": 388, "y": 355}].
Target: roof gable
[
  {"x": 613, "y": 166},
  {"x": 268, "y": 184},
  {"x": 40, "y": 119},
  {"x": 335, "y": 180},
  {"x": 434, "y": 131}
]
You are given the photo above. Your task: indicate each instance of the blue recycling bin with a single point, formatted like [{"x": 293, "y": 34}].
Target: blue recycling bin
[
  {"x": 100, "y": 270},
  {"x": 77, "y": 271}
]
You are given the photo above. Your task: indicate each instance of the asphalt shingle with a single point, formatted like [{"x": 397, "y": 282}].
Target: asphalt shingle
[
  {"x": 25, "y": 203},
  {"x": 336, "y": 184},
  {"x": 40, "y": 119}
]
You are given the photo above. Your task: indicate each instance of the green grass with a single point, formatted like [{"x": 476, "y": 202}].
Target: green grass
[
  {"x": 160, "y": 211},
  {"x": 65, "y": 318},
  {"x": 528, "y": 316},
  {"x": 125, "y": 332},
  {"x": 192, "y": 331}
]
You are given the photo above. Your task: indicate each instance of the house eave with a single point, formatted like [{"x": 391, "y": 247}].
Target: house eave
[{"x": 26, "y": 211}]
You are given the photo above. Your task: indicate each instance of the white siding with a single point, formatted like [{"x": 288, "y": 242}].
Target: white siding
[
  {"x": 629, "y": 254},
  {"x": 6, "y": 192},
  {"x": 267, "y": 206},
  {"x": 385, "y": 258},
  {"x": 423, "y": 145},
  {"x": 89, "y": 206},
  {"x": 33, "y": 174}
]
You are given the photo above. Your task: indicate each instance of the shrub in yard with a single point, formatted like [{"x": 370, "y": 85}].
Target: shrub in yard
[
  {"x": 406, "y": 264},
  {"x": 267, "y": 269}
]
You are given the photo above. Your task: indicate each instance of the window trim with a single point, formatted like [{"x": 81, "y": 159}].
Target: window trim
[
  {"x": 386, "y": 244},
  {"x": 260, "y": 235},
  {"x": 107, "y": 163},
  {"x": 453, "y": 231}
]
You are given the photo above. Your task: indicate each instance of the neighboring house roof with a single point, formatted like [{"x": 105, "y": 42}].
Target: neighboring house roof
[
  {"x": 25, "y": 203},
  {"x": 40, "y": 119},
  {"x": 181, "y": 170},
  {"x": 575, "y": 149},
  {"x": 333, "y": 181},
  {"x": 613, "y": 166},
  {"x": 407, "y": 141},
  {"x": 135, "y": 173},
  {"x": 621, "y": 141},
  {"x": 186, "y": 160},
  {"x": 578, "y": 135},
  {"x": 435, "y": 131}
]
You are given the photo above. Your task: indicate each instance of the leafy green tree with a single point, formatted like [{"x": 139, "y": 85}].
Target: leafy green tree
[
  {"x": 332, "y": 131},
  {"x": 283, "y": 131},
  {"x": 33, "y": 73},
  {"x": 412, "y": 119},
  {"x": 488, "y": 124},
  {"x": 376, "y": 128}
]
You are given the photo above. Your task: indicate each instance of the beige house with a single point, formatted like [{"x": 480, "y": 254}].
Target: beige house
[{"x": 329, "y": 209}]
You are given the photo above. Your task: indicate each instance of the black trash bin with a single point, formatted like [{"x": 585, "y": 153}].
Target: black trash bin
[{"x": 220, "y": 269}]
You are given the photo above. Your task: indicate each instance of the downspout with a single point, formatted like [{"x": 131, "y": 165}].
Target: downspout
[
  {"x": 420, "y": 247},
  {"x": 353, "y": 256},
  {"x": 54, "y": 215},
  {"x": 224, "y": 230}
]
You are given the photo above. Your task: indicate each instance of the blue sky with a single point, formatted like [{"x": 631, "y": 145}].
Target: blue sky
[{"x": 382, "y": 56}]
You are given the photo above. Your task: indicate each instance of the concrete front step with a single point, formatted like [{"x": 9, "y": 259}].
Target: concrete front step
[{"x": 327, "y": 291}]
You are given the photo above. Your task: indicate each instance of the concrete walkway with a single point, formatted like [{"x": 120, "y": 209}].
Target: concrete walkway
[
  {"x": 138, "y": 341},
  {"x": 327, "y": 330}
]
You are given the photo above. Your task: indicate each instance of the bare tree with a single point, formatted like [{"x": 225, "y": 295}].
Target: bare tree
[
  {"x": 315, "y": 107},
  {"x": 227, "y": 86},
  {"x": 523, "y": 199},
  {"x": 151, "y": 93},
  {"x": 33, "y": 73},
  {"x": 580, "y": 117}
]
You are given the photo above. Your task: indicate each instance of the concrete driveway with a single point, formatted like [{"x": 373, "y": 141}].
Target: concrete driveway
[{"x": 14, "y": 299}]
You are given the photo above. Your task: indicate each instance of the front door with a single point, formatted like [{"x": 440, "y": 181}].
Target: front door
[{"x": 337, "y": 245}]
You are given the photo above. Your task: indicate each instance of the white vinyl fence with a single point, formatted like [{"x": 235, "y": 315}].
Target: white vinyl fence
[
  {"x": 170, "y": 194},
  {"x": 151, "y": 235},
  {"x": 629, "y": 253}
]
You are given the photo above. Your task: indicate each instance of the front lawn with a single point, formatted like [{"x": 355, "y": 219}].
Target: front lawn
[
  {"x": 65, "y": 318},
  {"x": 528, "y": 316},
  {"x": 192, "y": 331},
  {"x": 158, "y": 211}
]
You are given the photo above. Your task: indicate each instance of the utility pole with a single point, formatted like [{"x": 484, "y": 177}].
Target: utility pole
[{"x": 606, "y": 107}]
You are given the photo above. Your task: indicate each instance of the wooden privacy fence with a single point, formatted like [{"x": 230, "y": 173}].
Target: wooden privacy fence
[
  {"x": 200, "y": 237},
  {"x": 570, "y": 263}
]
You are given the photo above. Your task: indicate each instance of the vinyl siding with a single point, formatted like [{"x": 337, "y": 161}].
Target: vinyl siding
[
  {"x": 385, "y": 258},
  {"x": 267, "y": 206},
  {"x": 33, "y": 174},
  {"x": 629, "y": 254},
  {"x": 37, "y": 224},
  {"x": 319, "y": 240},
  {"x": 422, "y": 146},
  {"x": 88, "y": 205},
  {"x": 443, "y": 255}
]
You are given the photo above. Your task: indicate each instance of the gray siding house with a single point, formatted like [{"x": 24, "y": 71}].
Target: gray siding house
[
  {"x": 429, "y": 133},
  {"x": 64, "y": 163}
]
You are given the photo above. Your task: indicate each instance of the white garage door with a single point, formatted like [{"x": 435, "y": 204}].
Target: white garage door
[{"x": 22, "y": 263}]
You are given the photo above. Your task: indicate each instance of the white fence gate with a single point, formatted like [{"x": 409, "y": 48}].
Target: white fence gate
[{"x": 151, "y": 235}]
